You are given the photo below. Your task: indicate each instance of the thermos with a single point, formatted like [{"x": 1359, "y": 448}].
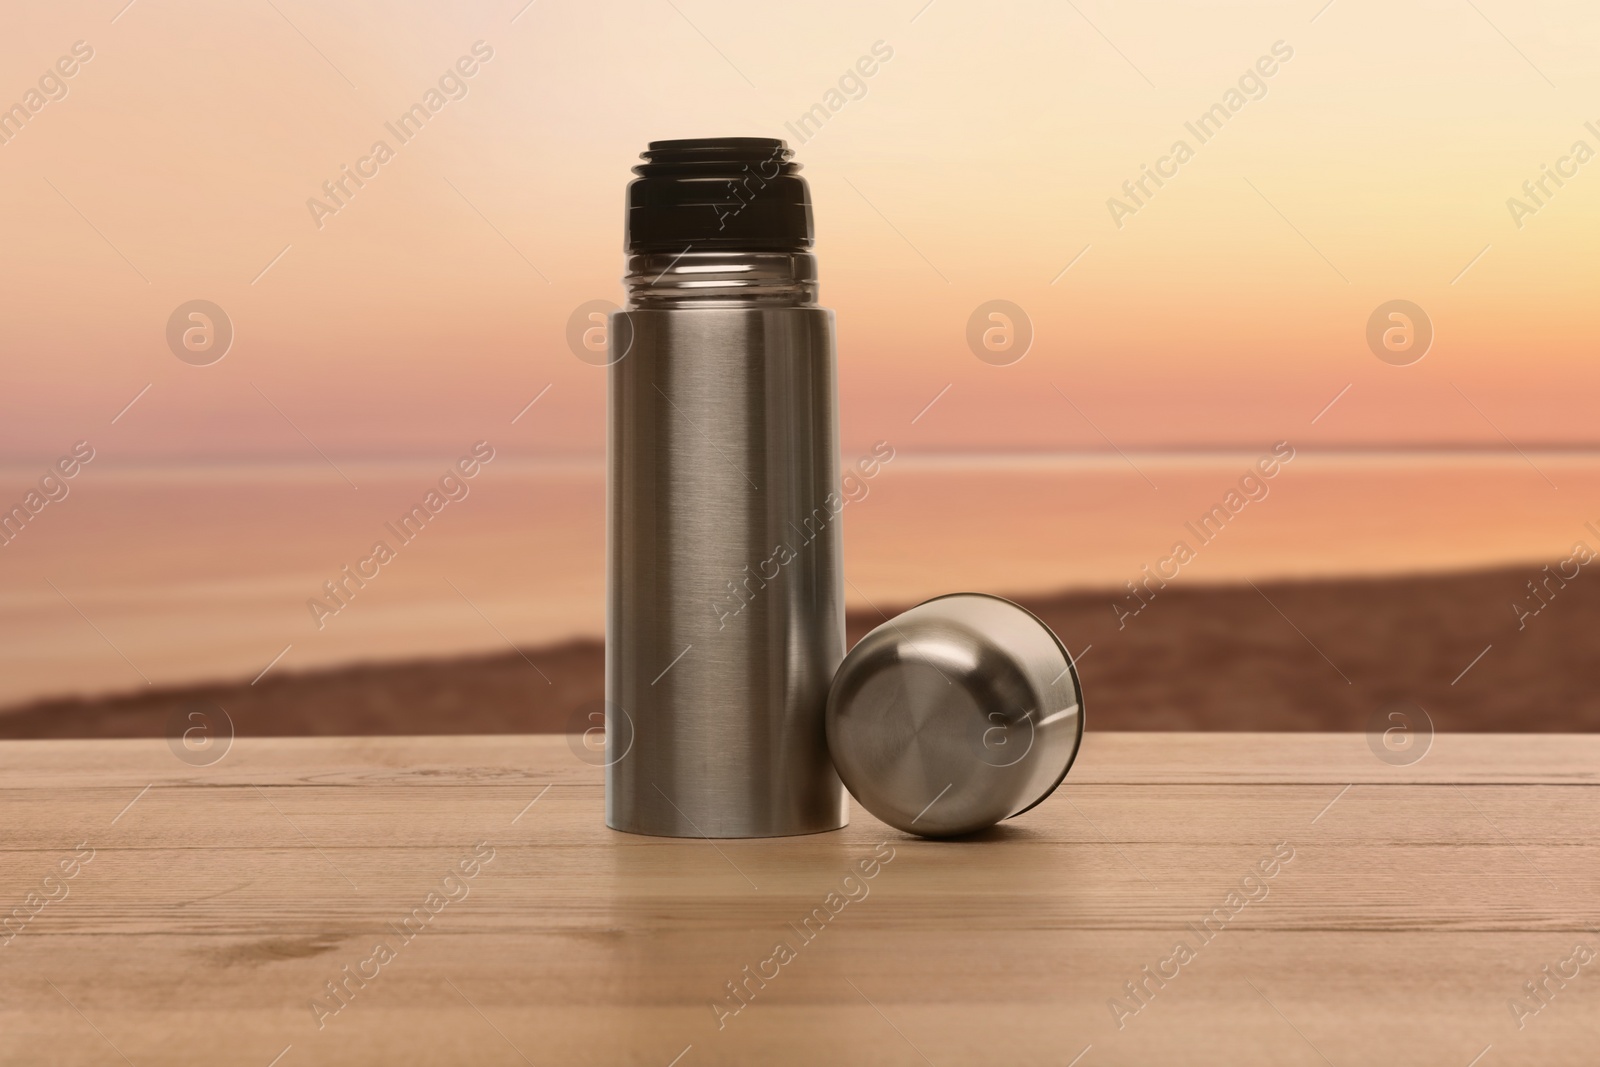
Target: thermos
[{"x": 725, "y": 607}]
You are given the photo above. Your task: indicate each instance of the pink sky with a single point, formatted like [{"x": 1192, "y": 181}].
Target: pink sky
[{"x": 975, "y": 164}]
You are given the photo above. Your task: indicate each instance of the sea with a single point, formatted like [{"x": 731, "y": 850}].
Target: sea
[{"x": 168, "y": 574}]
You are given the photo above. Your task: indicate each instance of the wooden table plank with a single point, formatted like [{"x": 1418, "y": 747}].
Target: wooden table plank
[
  {"x": 1131, "y": 758},
  {"x": 220, "y": 900}
]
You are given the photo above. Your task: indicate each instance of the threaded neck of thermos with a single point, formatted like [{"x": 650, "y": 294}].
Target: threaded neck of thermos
[{"x": 719, "y": 221}]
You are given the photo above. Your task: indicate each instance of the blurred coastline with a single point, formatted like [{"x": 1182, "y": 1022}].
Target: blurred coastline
[
  {"x": 1278, "y": 656},
  {"x": 146, "y": 587}
]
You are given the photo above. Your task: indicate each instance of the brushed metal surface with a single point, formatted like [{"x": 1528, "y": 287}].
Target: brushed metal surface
[
  {"x": 725, "y": 608},
  {"x": 963, "y": 711}
]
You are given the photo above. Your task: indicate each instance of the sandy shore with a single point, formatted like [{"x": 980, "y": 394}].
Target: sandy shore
[{"x": 1319, "y": 655}]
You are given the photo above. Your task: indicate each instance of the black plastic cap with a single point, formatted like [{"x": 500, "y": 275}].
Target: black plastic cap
[{"x": 718, "y": 193}]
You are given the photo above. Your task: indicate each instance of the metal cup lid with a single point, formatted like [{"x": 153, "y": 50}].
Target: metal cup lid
[{"x": 963, "y": 711}]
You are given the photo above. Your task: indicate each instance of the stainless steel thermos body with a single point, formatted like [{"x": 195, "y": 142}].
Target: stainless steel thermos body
[{"x": 725, "y": 608}]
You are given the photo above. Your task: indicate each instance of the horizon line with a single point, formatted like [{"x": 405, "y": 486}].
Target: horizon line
[{"x": 1438, "y": 450}]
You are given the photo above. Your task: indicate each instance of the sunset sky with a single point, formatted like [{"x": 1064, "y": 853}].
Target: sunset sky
[
  {"x": 974, "y": 164},
  {"x": 1315, "y": 163}
]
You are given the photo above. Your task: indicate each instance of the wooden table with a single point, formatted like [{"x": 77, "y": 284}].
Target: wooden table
[{"x": 220, "y": 901}]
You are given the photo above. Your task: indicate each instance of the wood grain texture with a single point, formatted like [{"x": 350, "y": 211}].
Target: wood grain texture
[{"x": 220, "y": 903}]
